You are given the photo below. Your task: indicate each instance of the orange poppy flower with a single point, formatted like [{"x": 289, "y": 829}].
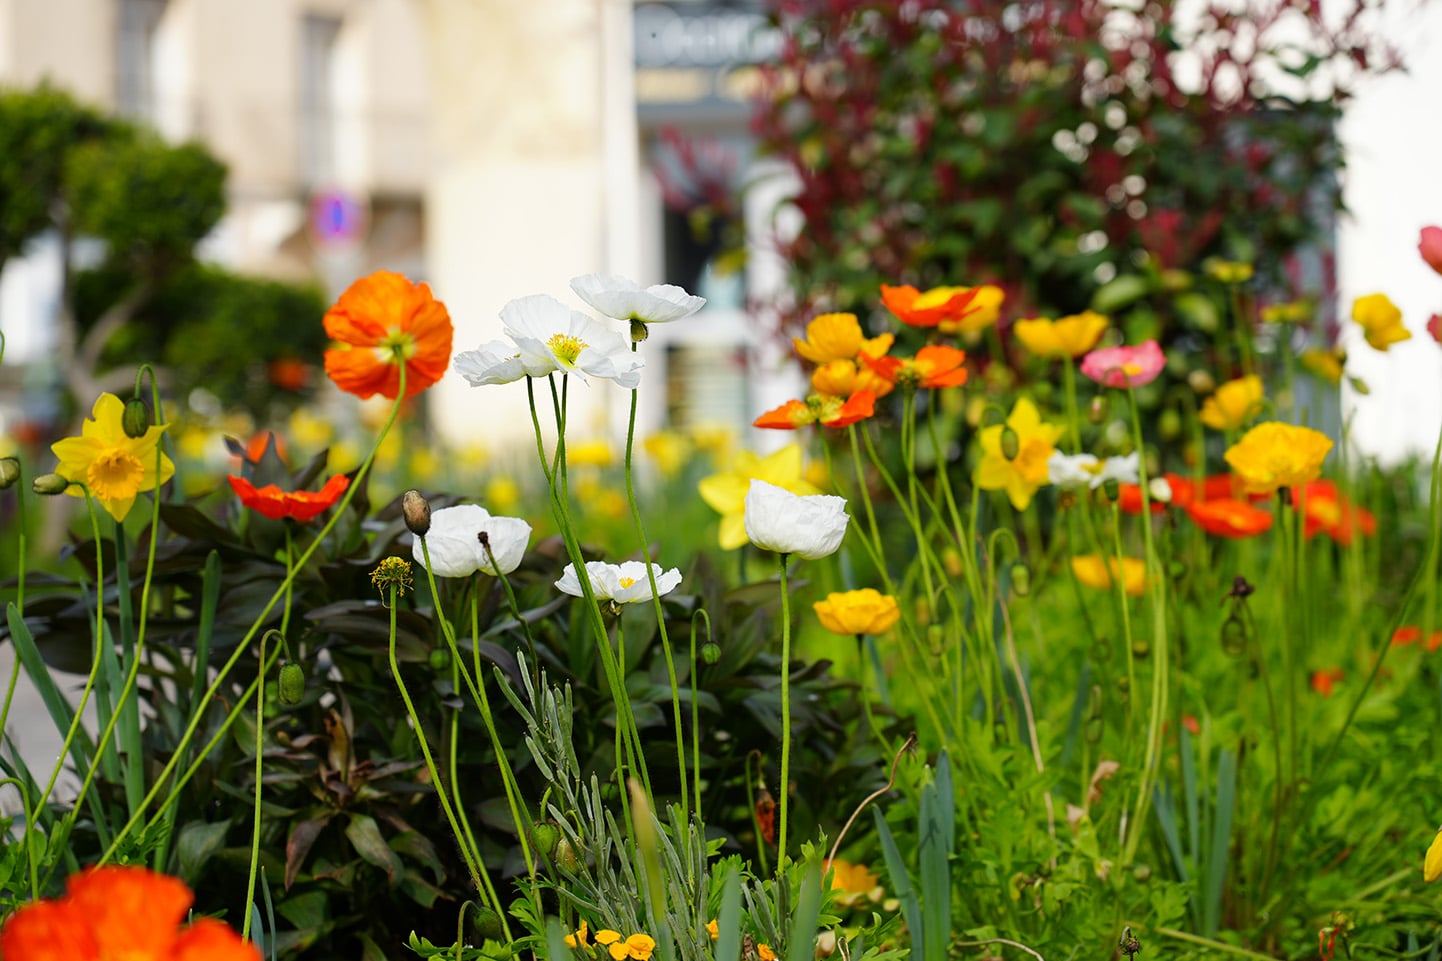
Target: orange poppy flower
[
  {"x": 819, "y": 409},
  {"x": 1324, "y": 681},
  {"x": 270, "y": 501},
  {"x": 929, "y": 308},
  {"x": 379, "y": 323},
  {"x": 935, "y": 365},
  {"x": 120, "y": 912},
  {"x": 1409, "y": 634},
  {"x": 1229, "y": 518},
  {"x": 1326, "y": 511}
]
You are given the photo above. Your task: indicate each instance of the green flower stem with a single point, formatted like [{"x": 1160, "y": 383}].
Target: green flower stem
[
  {"x": 467, "y": 854},
  {"x": 1123, "y": 607},
  {"x": 255, "y": 824},
  {"x": 695, "y": 704},
  {"x": 620, "y": 773},
  {"x": 560, "y": 512},
  {"x": 783, "y": 791},
  {"x": 1073, "y": 419},
  {"x": 869, "y": 542},
  {"x": 478, "y": 694},
  {"x": 660, "y": 613},
  {"x": 877, "y": 548},
  {"x": 19, "y": 590},
  {"x": 34, "y": 864},
  {"x": 1291, "y": 597},
  {"x": 1161, "y": 647},
  {"x": 198, "y": 714}
]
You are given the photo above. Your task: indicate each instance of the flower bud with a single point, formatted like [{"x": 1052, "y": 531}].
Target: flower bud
[
  {"x": 1010, "y": 443},
  {"x": 486, "y": 923},
  {"x": 710, "y": 652},
  {"x": 1169, "y": 424},
  {"x": 566, "y": 858},
  {"x": 136, "y": 419},
  {"x": 292, "y": 683},
  {"x": 546, "y": 836},
  {"x": 1112, "y": 488},
  {"x": 9, "y": 472},
  {"x": 1021, "y": 579},
  {"x": 439, "y": 659},
  {"x": 639, "y": 332},
  {"x": 49, "y": 484},
  {"x": 1234, "y": 636},
  {"x": 417, "y": 511}
]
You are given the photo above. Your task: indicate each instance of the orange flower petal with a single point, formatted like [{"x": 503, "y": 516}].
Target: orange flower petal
[
  {"x": 48, "y": 931},
  {"x": 789, "y": 416},
  {"x": 132, "y": 912},
  {"x": 212, "y": 940}
]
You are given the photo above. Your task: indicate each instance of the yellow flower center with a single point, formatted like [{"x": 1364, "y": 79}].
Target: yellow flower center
[
  {"x": 1130, "y": 369},
  {"x": 398, "y": 346},
  {"x": 566, "y": 348},
  {"x": 627, "y": 582},
  {"x": 115, "y": 475}
]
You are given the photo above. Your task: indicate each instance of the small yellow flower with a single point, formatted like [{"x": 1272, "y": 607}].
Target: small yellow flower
[
  {"x": 392, "y": 572},
  {"x": 1432, "y": 866},
  {"x": 726, "y": 492},
  {"x": 503, "y": 495},
  {"x": 1022, "y": 474},
  {"x": 638, "y": 948},
  {"x": 713, "y": 929},
  {"x": 765, "y": 953},
  {"x": 866, "y": 611},
  {"x": 1227, "y": 271},
  {"x": 113, "y": 466},
  {"x": 1091, "y": 570},
  {"x": 854, "y": 883},
  {"x": 1234, "y": 403},
  {"x": 831, "y": 337},
  {"x": 590, "y": 453},
  {"x": 578, "y": 940},
  {"x": 1274, "y": 455},
  {"x": 1326, "y": 364},
  {"x": 1288, "y": 312},
  {"x": 1380, "y": 319},
  {"x": 983, "y": 311},
  {"x": 670, "y": 450},
  {"x": 1068, "y": 337}
]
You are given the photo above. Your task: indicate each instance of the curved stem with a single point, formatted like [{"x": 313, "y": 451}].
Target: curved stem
[{"x": 782, "y": 789}]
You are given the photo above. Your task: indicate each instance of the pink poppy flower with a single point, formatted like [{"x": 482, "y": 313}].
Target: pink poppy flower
[
  {"x": 1434, "y": 327},
  {"x": 1123, "y": 366},
  {"x": 1430, "y": 247}
]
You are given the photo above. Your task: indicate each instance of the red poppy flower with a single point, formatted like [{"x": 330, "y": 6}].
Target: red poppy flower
[
  {"x": 1326, "y": 511},
  {"x": 379, "y": 323},
  {"x": 1409, "y": 634},
  {"x": 935, "y": 365},
  {"x": 929, "y": 308},
  {"x": 820, "y": 409},
  {"x": 270, "y": 501},
  {"x": 1323, "y": 681},
  {"x": 119, "y": 912},
  {"x": 1229, "y": 518}
]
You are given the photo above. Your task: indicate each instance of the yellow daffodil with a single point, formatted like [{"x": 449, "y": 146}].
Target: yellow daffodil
[
  {"x": 670, "y": 450},
  {"x": 866, "y": 611},
  {"x": 113, "y": 466},
  {"x": 1326, "y": 364},
  {"x": 1021, "y": 474},
  {"x": 578, "y": 940},
  {"x": 1091, "y": 570},
  {"x": 1234, "y": 403},
  {"x": 831, "y": 337},
  {"x": 983, "y": 311},
  {"x": 1380, "y": 319},
  {"x": 853, "y": 883},
  {"x": 1432, "y": 866},
  {"x": 1069, "y": 336},
  {"x": 590, "y": 453},
  {"x": 1274, "y": 455},
  {"x": 726, "y": 492}
]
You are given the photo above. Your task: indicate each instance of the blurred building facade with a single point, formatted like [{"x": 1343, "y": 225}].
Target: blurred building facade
[{"x": 492, "y": 148}]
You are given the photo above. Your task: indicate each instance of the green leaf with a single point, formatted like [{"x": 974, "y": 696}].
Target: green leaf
[
  {"x": 196, "y": 843},
  {"x": 365, "y": 835}
]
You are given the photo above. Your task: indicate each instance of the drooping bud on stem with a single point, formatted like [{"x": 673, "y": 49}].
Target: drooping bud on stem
[
  {"x": 292, "y": 683},
  {"x": 417, "y": 511},
  {"x": 1010, "y": 443},
  {"x": 9, "y": 472},
  {"x": 136, "y": 418},
  {"x": 49, "y": 484}
]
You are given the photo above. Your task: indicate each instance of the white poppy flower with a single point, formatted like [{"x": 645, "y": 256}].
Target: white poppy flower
[
  {"x": 454, "y": 542},
  {"x": 1123, "y": 470},
  {"x": 497, "y": 362},
  {"x": 808, "y": 525},
  {"x": 552, "y": 336},
  {"x": 1070, "y": 471},
  {"x": 1160, "y": 489},
  {"x": 624, "y": 583},
  {"x": 626, "y": 300}
]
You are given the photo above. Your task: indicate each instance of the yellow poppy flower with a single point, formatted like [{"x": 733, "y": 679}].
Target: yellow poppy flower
[
  {"x": 670, "y": 450},
  {"x": 112, "y": 465},
  {"x": 1021, "y": 475},
  {"x": 713, "y": 929},
  {"x": 1069, "y": 336},
  {"x": 1274, "y": 455},
  {"x": 1432, "y": 866},
  {"x": 1227, "y": 271},
  {"x": 764, "y": 952},
  {"x": 866, "y": 611},
  {"x": 1234, "y": 403},
  {"x": 579, "y": 938},
  {"x": 830, "y": 337},
  {"x": 1380, "y": 319},
  {"x": 1326, "y": 364},
  {"x": 606, "y": 936},
  {"x": 726, "y": 492},
  {"x": 590, "y": 453},
  {"x": 853, "y": 883},
  {"x": 1091, "y": 570},
  {"x": 983, "y": 311}
]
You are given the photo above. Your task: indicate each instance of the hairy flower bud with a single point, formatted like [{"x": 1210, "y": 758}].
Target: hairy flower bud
[
  {"x": 292, "y": 683},
  {"x": 1021, "y": 579},
  {"x": 566, "y": 857},
  {"x": 49, "y": 484},
  {"x": 9, "y": 472},
  {"x": 546, "y": 836},
  {"x": 1010, "y": 443},
  {"x": 136, "y": 419},
  {"x": 439, "y": 659},
  {"x": 417, "y": 511},
  {"x": 486, "y": 923},
  {"x": 710, "y": 652}
]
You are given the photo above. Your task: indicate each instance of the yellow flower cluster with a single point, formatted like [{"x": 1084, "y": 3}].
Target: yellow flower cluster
[{"x": 637, "y": 947}]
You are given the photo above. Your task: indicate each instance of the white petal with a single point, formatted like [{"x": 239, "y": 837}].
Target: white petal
[
  {"x": 625, "y": 300},
  {"x": 497, "y": 362},
  {"x": 810, "y": 526},
  {"x": 454, "y": 548},
  {"x": 509, "y": 537}
]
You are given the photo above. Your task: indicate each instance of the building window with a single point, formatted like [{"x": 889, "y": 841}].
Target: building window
[
  {"x": 139, "y": 21},
  {"x": 319, "y": 36},
  {"x": 706, "y": 385}
]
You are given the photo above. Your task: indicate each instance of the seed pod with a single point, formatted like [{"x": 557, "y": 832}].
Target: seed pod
[
  {"x": 710, "y": 652},
  {"x": 638, "y": 330},
  {"x": 136, "y": 419},
  {"x": 566, "y": 857},
  {"x": 1234, "y": 636},
  {"x": 1020, "y": 579},
  {"x": 546, "y": 836},
  {"x": 9, "y": 472},
  {"x": 440, "y": 659},
  {"x": 486, "y": 924},
  {"x": 417, "y": 511},
  {"x": 292, "y": 683},
  {"x": 1010, "y": 443},
  {"x": 49, "y": 484}
]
